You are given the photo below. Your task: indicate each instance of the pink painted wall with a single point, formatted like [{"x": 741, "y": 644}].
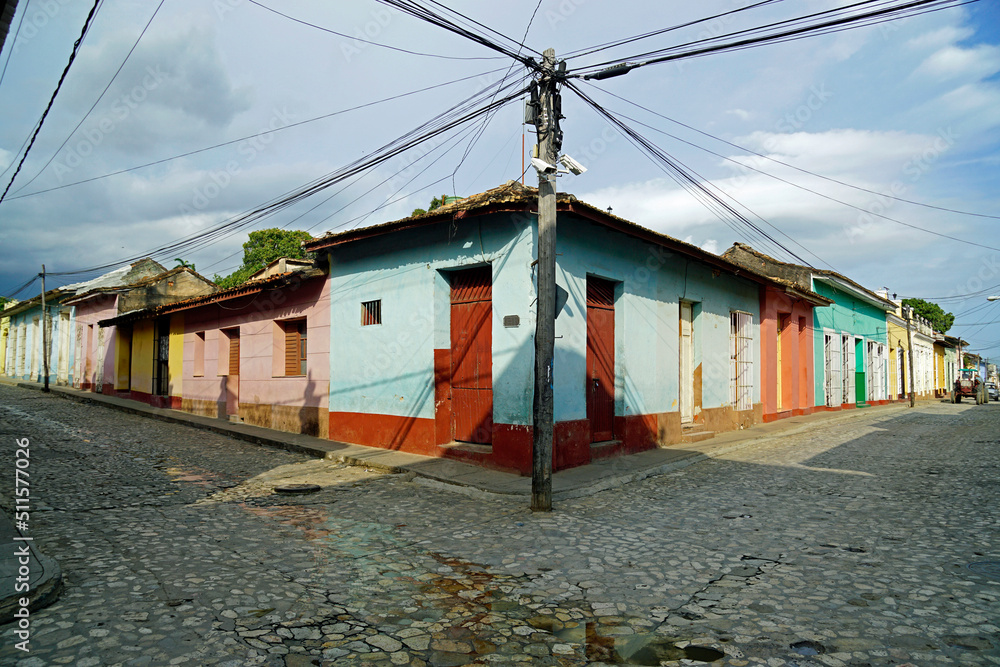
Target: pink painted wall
[
  {"x": 796, "y": 355},
  {"x": 255, "y": 315},
  {"x": 90, "y": 312}
]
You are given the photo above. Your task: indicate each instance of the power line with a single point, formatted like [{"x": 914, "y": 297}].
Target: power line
[
  {"x": 366, "y": 41},
  {"x": 698, "y": 187},
  {"x": 252, "y": 136},
  {"x": 786, "y": 164},
  {"x": 461, "y": 113},
  {"x": 98, "y": 100},
  {"x": 38, "y": 128},
  {"x": 628, "y": 40},
  {"x": 425, "y": 14},
  {"x": 780, "y": 32},
  {"x": 24, "y": 12}
]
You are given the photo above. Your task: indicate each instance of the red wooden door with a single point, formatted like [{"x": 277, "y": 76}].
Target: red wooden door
[
  {"x": 472, "y": 356},
  {"x": 600, "y": 359}
]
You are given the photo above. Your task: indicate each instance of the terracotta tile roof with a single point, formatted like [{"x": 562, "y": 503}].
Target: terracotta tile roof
[
  {"x": 819, "y": 272},
  {"x": 249, "y": 287},
  {"x": 512, "y": 196}
]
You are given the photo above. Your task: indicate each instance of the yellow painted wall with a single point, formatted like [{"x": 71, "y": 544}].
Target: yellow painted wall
[
  {"x": 176, "y": 362},
  {"x": 123, "y": 355},
  {"x": 942, "y": 383},
  {"x": 142, "y": 356},
  {"x": 4, "y": 334}
]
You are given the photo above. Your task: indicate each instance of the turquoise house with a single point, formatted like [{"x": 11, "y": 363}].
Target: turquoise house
[
  {"x": 433, "y": 322},
  {"x": 851, "y": 346}
]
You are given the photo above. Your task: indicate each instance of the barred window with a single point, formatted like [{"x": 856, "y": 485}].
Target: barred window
[
  {"x": 371, "y": 312},
  {"x": 741, "y": 360}
]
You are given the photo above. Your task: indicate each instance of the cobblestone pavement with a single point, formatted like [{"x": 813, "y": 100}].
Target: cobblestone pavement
[{"x": 869, "y": 541}]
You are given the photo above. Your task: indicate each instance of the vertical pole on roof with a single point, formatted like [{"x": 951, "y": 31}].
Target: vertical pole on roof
[
  {"x": 549, "y": 139},
  {"x": 45, "y": 339},
  {"x": 909, "y": 345}
]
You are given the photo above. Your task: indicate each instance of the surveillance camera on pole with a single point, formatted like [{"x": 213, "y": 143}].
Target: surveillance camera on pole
[
  {"x": 542, "y": 166},
  {"x": 575, "y": 167}
]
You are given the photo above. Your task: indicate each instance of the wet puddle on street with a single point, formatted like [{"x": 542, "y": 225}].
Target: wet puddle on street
[{"x": 472, "y": 610}]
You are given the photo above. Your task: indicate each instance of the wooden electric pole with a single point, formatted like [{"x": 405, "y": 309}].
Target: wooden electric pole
[
  {"x": 549, "y": 143},
  {"x": 45, "y": 338},
  {"x": 909, "y": 345}
]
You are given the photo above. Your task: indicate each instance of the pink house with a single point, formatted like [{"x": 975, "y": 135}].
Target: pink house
[
  {"x": 142, "y": 284},
  {"x": 257, "y": 353}
]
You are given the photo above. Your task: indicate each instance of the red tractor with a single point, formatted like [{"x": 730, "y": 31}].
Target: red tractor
[{"x": 969, "y": 385}]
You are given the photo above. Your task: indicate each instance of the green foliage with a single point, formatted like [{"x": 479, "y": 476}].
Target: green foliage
[
  {"x": 181, "y": 262},
  {"x": 435, "y": 203},
  {"x": 940, "y": 320},
  {"x": 263, "y": 247}
]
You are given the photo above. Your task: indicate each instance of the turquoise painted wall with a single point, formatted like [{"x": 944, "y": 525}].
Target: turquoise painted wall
[
  {"x": 653, "y": 281},
  {"x": 389, "y": 368},
  {"x": 847, "y": 315}
]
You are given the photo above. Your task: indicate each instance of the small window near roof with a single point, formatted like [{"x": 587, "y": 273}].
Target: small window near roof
[{"x": 371, "y": 312}]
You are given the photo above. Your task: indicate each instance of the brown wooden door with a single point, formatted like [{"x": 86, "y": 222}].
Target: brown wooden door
[
  {"x": 600, "y": 359},
  {"x": 233, "y": 377},
  {"x": 472, "y": 356}
]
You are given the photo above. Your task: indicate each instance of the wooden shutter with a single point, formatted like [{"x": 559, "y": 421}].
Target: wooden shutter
[
  {"x": 234, "y": 352},
  {"x": 291, "y": 348}
]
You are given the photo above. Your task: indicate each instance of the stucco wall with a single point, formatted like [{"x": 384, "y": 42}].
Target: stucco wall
[
  {"x": 796, "y": 367},
  {"x": 652, "y": 281},
  {"x": 388, "y": 369},
  {"x": 30, "y": 340},
  {"x": 847, "y": 315},
  {"x": 90, "y": 312},
  {"x": 266, "y": 396}
]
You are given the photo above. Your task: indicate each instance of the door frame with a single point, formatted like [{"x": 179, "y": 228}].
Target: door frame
[{"x": 685, "y": 365}]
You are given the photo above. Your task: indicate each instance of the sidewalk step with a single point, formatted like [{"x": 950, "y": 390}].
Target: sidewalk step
[
  {"x": 467, "y": 451},
  {"x": 606, "y": 450},
  {"x": 696, "y": 436}
]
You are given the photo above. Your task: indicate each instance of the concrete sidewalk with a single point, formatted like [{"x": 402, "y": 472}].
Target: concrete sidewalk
[
  {"x": 471, "y": 479},
  {"x": 456, "y": 476}
]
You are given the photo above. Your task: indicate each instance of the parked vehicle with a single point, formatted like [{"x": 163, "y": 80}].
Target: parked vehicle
[
  {"x": 993, "y": 391},
  {"x": 969, "y": 385}
]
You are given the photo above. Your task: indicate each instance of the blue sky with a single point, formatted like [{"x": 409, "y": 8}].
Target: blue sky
[{"x": 910, "y": 108}]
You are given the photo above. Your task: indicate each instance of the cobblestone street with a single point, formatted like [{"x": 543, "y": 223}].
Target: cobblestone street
[{"x": 865, "y": 541}]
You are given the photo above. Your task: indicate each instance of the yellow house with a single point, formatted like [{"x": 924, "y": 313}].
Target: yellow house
[{"x": 928, "y": 358}]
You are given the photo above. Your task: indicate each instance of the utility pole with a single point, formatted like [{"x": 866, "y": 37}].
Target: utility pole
[
  {"x": 909, "y": 345},
  {"x": 549, "y": 142},
  {"x": 45, "y": 338}
]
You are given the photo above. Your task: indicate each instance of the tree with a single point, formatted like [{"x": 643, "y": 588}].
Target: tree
[
  {"x": 435, "y": 203},
  {"x": 185, "y": 264},
  {"x": 263, "y": 247},
  {"x": 940, "y": 320}
]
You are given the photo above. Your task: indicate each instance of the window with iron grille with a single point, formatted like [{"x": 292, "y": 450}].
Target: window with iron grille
[
  {"x": 832, "y": 368},
  {"x": 371, "y": 312},
  {"x": 295, "y": 347},
  {"x": 741, "y": 360}
]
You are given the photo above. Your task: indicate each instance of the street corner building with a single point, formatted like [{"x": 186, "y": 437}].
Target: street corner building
[
  {"x": 432, "y": 324},
  {"x": 257, "y": 353}
]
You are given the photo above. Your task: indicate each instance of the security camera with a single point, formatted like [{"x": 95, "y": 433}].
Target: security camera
[
  {"x": 572, "y": 165},
  {"x": 542, "y": 166}
]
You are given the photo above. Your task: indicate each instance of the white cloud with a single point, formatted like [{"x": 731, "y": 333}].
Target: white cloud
[
  {"x": 936, "y": 39},
  {"x": 953, "y": 62},
  {"x": 742, "y": 114}
]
